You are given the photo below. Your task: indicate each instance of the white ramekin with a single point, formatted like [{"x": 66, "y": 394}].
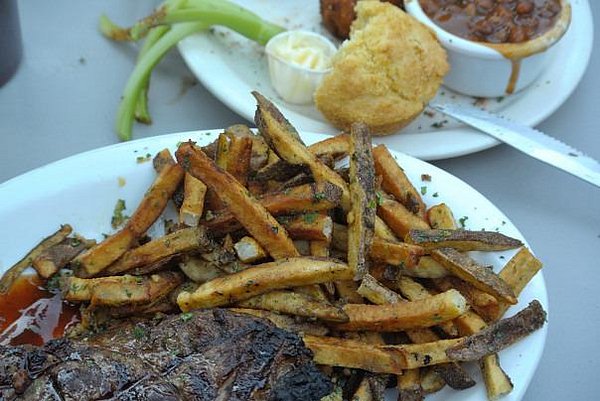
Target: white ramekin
[
  {"x": 485, "y": 70},
  {"x": 294, "y": 83}
]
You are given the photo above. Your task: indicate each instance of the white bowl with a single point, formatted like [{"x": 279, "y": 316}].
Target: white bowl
[{"x": 492, "y": 70}]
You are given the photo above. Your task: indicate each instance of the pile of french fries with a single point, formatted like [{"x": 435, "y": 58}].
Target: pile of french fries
[{"x": 381, "y": 286}]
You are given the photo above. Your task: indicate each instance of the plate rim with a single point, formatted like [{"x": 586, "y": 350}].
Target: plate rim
[{"x": 585, "y": 29}]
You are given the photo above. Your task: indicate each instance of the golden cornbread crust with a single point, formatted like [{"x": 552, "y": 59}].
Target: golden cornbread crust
[{"x": 385, "y": 74}]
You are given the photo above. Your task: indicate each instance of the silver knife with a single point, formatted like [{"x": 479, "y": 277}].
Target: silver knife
[{"x": 526, "y": 139}]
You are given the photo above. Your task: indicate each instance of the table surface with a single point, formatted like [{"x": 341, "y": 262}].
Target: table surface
[{"x": 63, "y": 99}]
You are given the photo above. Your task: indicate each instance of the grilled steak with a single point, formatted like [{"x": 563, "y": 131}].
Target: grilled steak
[{"x": 206, "y": 355}]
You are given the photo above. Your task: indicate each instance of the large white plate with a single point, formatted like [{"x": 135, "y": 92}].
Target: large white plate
[
  {"x": 82, "y": 190},
  {"x": 230, "y": 66}
]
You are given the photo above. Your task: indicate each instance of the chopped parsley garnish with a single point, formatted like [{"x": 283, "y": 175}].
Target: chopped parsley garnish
[
  {"x": 139, "y": 332},
  {"x": 310, "y": 217},
  {"x": 372, "y": 204},
  {"x": 423, "y": 190},
  {"x": 462, "y": 221},
  {"x": 143, "y": 159},
  {"x": 319, "y": 196},
  {"x": 379, "y": 197},
  {"x": 118, "y": 216},
  {"x": 435, "y": 195},
  {"x": 186, "y": 316}
]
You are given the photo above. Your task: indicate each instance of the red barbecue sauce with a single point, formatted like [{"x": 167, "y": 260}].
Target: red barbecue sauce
[{"x": 30, "y": 314}]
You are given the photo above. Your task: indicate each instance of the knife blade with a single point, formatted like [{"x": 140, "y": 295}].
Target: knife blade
[{"x": 526, "y": 139}]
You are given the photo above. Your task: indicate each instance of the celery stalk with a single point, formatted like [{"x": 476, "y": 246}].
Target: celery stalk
[{"x": 144, "y": 66}]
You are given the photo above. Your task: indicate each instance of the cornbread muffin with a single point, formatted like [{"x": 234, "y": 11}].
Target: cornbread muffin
[{"x": 385, "y": 74}]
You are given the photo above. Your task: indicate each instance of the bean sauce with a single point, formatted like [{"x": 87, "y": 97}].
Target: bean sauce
[{"x": 494, "y": 21}]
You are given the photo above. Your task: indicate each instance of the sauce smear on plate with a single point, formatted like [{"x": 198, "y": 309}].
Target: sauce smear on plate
[{"x": 30, "y": 314}]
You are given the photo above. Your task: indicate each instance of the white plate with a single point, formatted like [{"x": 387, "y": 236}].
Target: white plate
[
  {"x": 83, "y": 189},
  {"x": 230, "y": 66}
]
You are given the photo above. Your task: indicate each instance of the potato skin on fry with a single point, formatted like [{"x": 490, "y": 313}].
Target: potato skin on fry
[
  {"x": 256, "y": 280},
  {"x": 462, "y": 240}
]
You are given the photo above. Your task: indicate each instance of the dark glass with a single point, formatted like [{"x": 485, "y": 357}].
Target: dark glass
[{"x": 10, "y": 40}]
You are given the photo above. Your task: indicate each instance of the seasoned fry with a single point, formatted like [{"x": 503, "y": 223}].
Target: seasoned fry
[
  {"x": 302, "y": 199},
  {"x": 409, "y": 386},
  {"x": 238, "y": 158},
  {"x": 251, "y": 214},
  {"x": 292, "y": 303},
  {"x": 260, "y": 150},
  {"x": 396, "y": 182},
  {"x": 162, "y": 160},
  {"x": 120, "y": 290},
  {"x": 371, "y": 388},
  {"x": 361, "y": 217},
  {"x": 199, "y": 270},
  {"x": 377, "y": 293},
  {"x": 454, "y": 375},
  {"x": 427, "y": 267},
  {"x": 398, "y": 317},
  {"x": 500, "y": 335},
  {"x": 156, "y": 253},
  {"x": 519, "y": 271},
  {"x": 462, "y": 240},
  {"x": 99, "y": 257},
  {"x": 483, "y": 303},
  {"x": 393, "y": 253},
  {"x": 378, "y": 359},
  {"x": 192, "y": 208},
  {"x": 399, "y": 218},
  {"x": 497, "y": 382},
  {"x": 286, "y": 322},
  {"x": 284, "y": 139},
  {"x": 310, "y": 226},
  {"x": 285, "y": 273},
  {"x": 431, "y": 381},
  {"x": 337, "y": 146},
  {"x": 348, "y": 292},
  {"x": 51, "y": 260},
  {"x": 472, "y": 272},
  {"x": 248, "y": 250},
  {"x": 441, "y": 217},
  {"x": 11, "y": 275}
]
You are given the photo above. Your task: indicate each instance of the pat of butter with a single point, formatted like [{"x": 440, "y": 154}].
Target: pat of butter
[{"x": 298, "y": 61}]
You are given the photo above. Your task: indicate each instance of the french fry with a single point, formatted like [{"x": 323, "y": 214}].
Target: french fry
[
  {"x": 249, "y": 250},
  {"x": 371, "y": 388},
  {"x": 378, "y": 359},
  {"x": 284, "y": 273},
  {"x": 396, "y": 182},
  {"x": 238, "y": 158},
  {"x": 199, "y": 270},
  {"x": 461, "y": 240},
  {"x": 393, "y": 253},
  {"x": 260, "y": 149},
  {"x": 431, "y": 381},
  {"x": 11, "y": 275},
  {"x": 361, "y": 216},
  {"x": 409, "y": 386},
  {"x": 192, "y": 207},
  {"x": 497, "y": 382},
  {"x": 337, "y": 146},
  {"x": 500, "y": 335},
  {"x": 416, "y": 292},
  {"x": 517, "y": 273},
  {"x": 310, "y": 226},
  {"x": 251, "y": 214},
  {"x": 302, "y": 199},
  {"x": 54, "y": 258},
  {"x": 99, "y": 257},
  {"x": 286, "y": 322},
  {"x": 375, "y": 292},
  {"x": 162, "y": 160},
  {"x": 472, "y": 272},
  {"x": 486, "y": 305},
  {"x": 399, "y": 218},
  {"x": 120, "y": 290},
  {"x": 427, "y": 267},
  {"x": 398, "y": 317},
  {"x": 348, "y": 292},
  {"x": 156, "y": 253},
  {"x": 292, "y": 303},
  {"x": 441, "y": 217}
]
